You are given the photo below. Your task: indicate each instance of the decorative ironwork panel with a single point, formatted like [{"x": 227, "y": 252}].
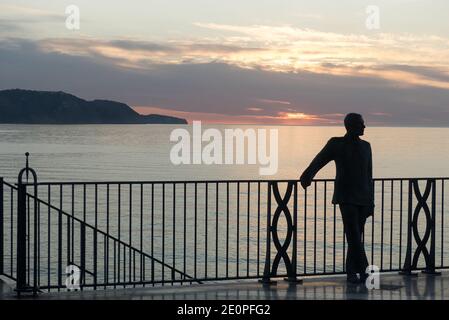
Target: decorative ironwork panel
[
  {"x": 425, "y": 243},
  {"x": 282, "y": 248}
]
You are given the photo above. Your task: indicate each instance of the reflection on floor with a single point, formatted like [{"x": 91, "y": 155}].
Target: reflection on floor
[{"x": 392, "y": 287}]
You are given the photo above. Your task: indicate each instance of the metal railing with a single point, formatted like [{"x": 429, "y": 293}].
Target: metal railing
[{"x": 147, "y": 233}]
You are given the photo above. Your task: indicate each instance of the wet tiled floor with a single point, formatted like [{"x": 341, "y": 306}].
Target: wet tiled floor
[{"x": 392, "y": 287}]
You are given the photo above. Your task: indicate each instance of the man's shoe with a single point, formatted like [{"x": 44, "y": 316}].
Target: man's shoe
[
  {"x": 352, "y": 278},
  {"x": 363, "y": 277}
]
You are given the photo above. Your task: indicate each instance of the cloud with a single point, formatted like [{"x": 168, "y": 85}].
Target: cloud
[
  {"x": 16, "y": 20},
  {"x": 292, "y": 49},
  {"x": 7, "y": 26},
  {"x": 404, "y": 59},
  {"x": 145, "y": 54},
  {"x": 400, "y": 75},
  {"x": 224, "y": 91},
  {"x": 270, "y": 101},
  {"x": 27, "y": 12},
  {"x": 381, "y": 114},
  {"x": 255, "y": 109}
]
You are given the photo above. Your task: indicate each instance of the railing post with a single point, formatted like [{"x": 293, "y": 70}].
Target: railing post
[
  {"x": 411, "y": 259},
  {"x": 83, "y": 254},
  {"x": 430, "y": 266},
  {"x": 21, "y": 283},
  {"x": 21, "y": 259},
  {"x": 267, "y": 269},
  {"x": 2, "y": 251},
  {"x": 407, "y": 269},
  {"x": 292, "y": 277},
  {"x": 272, "y": 232}
]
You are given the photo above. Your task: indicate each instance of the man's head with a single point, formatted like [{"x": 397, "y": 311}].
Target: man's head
[{"x": 354, "y": 124}]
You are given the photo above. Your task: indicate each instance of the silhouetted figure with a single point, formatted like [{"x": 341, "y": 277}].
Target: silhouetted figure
[{"x": 353, "y": 188}]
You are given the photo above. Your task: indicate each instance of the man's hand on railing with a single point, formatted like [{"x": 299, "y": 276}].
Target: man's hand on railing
[{"x": 305, "y": 180}]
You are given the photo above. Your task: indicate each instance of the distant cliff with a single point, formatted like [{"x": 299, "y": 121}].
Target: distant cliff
[{"x": 47, "y": 107}]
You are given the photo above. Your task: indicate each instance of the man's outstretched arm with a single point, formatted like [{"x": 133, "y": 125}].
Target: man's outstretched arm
[{"x": 321, "y": 159}]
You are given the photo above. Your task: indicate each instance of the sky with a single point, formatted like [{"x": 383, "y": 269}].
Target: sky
[{"x": 252, "y": 61}]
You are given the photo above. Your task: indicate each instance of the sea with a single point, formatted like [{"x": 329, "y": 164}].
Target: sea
[{"x": 142, "y": 152}]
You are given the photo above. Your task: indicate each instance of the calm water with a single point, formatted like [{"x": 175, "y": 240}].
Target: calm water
[
  {"x": 136, "y": 152},
  {"x": 141, "y": 152}
]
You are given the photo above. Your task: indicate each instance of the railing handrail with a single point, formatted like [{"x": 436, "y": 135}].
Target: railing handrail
[
  {"x": 10, "y": 185},
  {"x": 124, "y": 182}
]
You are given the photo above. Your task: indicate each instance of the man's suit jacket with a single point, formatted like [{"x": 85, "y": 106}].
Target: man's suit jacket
[{"x": 354, "y": 178}]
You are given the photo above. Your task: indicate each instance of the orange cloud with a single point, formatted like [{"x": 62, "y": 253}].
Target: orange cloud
[{"x": 282, "y": 118}]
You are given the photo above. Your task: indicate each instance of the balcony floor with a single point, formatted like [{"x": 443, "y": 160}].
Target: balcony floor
[{"x": 392, "y": 287}]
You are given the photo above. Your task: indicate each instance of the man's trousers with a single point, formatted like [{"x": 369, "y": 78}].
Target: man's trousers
[{"x": 354, "y": 218}]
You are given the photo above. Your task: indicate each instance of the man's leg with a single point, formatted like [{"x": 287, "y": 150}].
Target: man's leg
[
  {"x": 351, "y": 225},
  {"x": 362, "y": 260}
]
